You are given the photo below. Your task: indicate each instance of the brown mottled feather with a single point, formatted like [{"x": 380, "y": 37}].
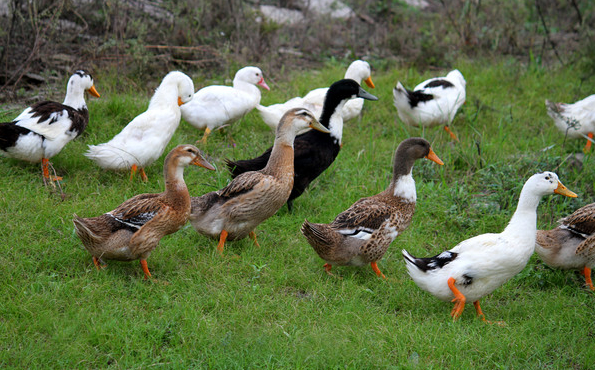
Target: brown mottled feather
[{"x": 362, "y": 233}]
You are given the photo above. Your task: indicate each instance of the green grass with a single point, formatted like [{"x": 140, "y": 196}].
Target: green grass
[{"x": 273, "y": 307}]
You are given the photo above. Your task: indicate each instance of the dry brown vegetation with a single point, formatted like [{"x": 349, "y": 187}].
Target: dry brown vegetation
[{"x": 44, "y": 39}]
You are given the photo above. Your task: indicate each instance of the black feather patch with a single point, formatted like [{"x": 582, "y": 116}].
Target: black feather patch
[
  {"x": 78, "y": 117},
  {"x": 437, "y": 83},
  {"x": 10, "y": 133},
  {"x": 417, "y": 96},
  {"x": 436, "y": 262},
  {"x": 467, "y": 280}
]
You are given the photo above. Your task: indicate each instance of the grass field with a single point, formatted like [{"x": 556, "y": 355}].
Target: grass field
[{"x": 274, "y": 307}]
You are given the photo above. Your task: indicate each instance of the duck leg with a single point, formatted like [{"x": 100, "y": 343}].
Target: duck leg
[
  {"x": 133, "y": 170},
  {"x": 587, "y": 272},
  {"x": 97, "y": 263},
  {"x": 483, "y": 317},
  {"x": 252, "y": 236},
  {"x": 143, "y": 175},
  {"x": 45, "y": 168},
  {"x": 222, "y": 239},
  {"x": 452, "y": 134},
  {"x": 143, "y": 265},
  {"x": 377, "y": 270},
  {"x": 327, "y": 268},
  {"x": 587, "y": 147},
  {"x": 205, "y": 136},
  {"x": 459, "y": 299}
]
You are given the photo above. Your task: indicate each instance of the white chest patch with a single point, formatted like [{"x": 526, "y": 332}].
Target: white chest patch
[{"x": 405, "y": 188}]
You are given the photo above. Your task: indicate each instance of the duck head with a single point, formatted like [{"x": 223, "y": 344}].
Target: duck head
[
  {"x": 252, "y": 75},
  {"x": 360, "y": 70},
  {"x": 546, "y": 183},
  {"x": 296, "y": 120}
]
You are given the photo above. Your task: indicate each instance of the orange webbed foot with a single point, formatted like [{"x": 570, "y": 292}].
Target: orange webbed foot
[
  {"x": 459, "y": 300},
  {"x": 252, "y": 236},
  {"x": 483, "y": 317},
  {"x": 587, "y": 273},
  {"x": 377, "y": 270},
  {"x": 587, "y": 148}
]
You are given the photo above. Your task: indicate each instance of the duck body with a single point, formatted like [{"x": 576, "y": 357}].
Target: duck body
[
  {"x": 432, "y": 102},
  {"x": 133, "y": 230},
  {"x": 42, "y": 130},
  {"x": 575, "y": 120},
  {"x": 233, "y": 212},
  {"x": 314, "y": 151},
  {"x": 571, "y": 245},
  {"x": 358, "y": 71},
  {"x": 214, "y": 106},
  {"x": 479, "y": 265},
  {"x": 144, "y": 139},
  {"x": 361, "y": 234}
]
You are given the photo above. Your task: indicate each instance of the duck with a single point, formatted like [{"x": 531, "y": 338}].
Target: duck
[
  {"x": 432, "y": 102},
  {"x": 361, "y": 234},
  {"x": 477, "y": 266},
  {"x": 575, "y": 120},
  {"x": 358, "y": 71},
  {"x": 314, "y": 151},
  {"x": 571, "y": 245},
  {"x": 214, "y": 106},
  {"x": 42, "y": 130},
  {"x": 144, "y": 139},
  {"x": 133, "y": 230},
  {"x": 233, "y": 212}
]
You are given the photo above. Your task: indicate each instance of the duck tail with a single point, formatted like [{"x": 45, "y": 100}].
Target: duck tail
[
  {"x": 84, "y": 232},
  {"x": 237, "y": 168},
  {"x": 554, "y": 109},
  {"x": 320, "y": 236}
]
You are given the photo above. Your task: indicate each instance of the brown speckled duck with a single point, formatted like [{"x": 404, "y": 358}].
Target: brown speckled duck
[
  {"x": 233, "y": 212},
  {"x": 134, "y": 229},
  {"x": 572, "y": 244},
  {"x": 362, "y": 234}
]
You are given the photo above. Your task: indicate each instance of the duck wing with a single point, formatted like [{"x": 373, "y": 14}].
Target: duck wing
[
  {"x": 362, "y": 218},
  {"x": 582, "y": 221},
  {"x": 138, "y": 210},
  {"x": 242, "y": 184},
  {"x": 51, "y": 119}
]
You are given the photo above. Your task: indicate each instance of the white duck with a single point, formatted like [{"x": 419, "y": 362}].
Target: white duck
[
  {"x": 432, "y": 102},
  {"x": 144, "y": 139},
  {"x": 216, "y": 105},
  {"x": 571, "y": 245},
  {"x": 314, "y": 100},
  {"x": 42, "y": 130},
  {"x": 477, "y": 266},
  {"x": 575, "y": 120}
]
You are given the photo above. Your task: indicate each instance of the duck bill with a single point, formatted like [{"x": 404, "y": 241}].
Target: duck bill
[
  {"x": 365, "y": 95},
  {"x": 263, "y": 84},
  {"x": 369, "y": 82},
  {"x": 318, "y": 126},
  {"x": 562, "y": 190},
  {"x": 201, "y": 162},
  {"x": 433, "y": 157},
  {"x": 180, "y": 102},
  {"x": 93, "y": 91}
]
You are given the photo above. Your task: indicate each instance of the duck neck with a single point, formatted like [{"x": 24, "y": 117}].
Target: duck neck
[
  {"x": 332, "y": 119},
  {"x": 281, "y": 160},
  {"x": 175, "y": 187},
  {"x": 402, "y": 184},
  {"x": 524, "y": 220},
  {"x": 75, "y": 96}
]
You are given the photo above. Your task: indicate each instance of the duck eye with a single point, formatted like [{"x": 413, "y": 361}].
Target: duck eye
[{"x": 547, "y": 177}]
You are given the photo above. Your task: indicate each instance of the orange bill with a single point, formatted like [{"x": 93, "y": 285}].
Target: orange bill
[
  {"x": 369, "y": 82},
  {"x": 94, "y": 92},
  {"x": 433, "y": 157},
  {"x": 180, "y": 102},
  {"x": 562, "y": 190},
  {"x": 200, "y": 161}
]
